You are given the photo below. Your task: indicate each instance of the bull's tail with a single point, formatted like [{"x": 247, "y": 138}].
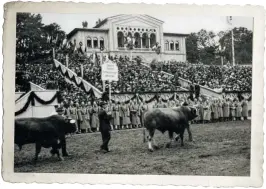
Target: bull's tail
[{"x": 144, "y": 135}]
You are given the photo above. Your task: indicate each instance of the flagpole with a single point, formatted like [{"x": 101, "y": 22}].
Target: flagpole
[
  {"x": 101, "y": 65},
  {"x": 110, "y": 91},
  {"x": 233, "y": 47}
]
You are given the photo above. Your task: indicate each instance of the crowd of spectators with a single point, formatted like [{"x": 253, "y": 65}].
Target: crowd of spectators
[
  {"x": 133, "y": 76},
  {"x": 229, "y": 78}
]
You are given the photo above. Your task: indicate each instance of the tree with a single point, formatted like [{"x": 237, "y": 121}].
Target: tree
[
  {"x": 29, "y": 40},
  {"x": 243, "y": 39},
  {"x": 192, "y": 48},
  {"x": 34, "y": 40}
]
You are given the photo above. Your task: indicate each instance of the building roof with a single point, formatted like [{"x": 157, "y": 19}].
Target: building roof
[
  {"x": 111, "y": 17},
  {"x": 175, "y": 34},
  {"x": 74, "y": 31}
]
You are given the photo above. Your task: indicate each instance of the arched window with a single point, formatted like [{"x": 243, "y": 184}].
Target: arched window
[
  {"x": 120, "y": 39},
  {"x": 89, "y": 42},
  {"x": 166, "y": 45},
  {"x": 137, "y": 40},
  {"x": 177, "y": 45},
  {"x": 171, "y": 45},
  {"x": 145, "y": 42},
  {"x": 152, "y": 39},
  {"x": 101, "y": 42},
  {"x": 95, "y": 42}
]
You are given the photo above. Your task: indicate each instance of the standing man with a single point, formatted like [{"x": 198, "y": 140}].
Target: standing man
[{"x": 105, "y": 126}]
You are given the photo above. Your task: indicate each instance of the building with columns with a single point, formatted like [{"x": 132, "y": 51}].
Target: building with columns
[{"x": 145, "y": 31}]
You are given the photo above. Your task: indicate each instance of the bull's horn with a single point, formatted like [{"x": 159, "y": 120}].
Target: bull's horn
[{"x": 72, "y": 121}]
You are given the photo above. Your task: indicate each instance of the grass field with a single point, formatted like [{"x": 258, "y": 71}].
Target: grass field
[{"x": 219, "y": 149}]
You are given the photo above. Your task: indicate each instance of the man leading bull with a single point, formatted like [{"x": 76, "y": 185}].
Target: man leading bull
[{"x": 105, "y": 126}]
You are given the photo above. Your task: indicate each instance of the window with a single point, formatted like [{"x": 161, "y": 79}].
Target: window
[
  {"x": 137, "y": 40},
  {"x": 166, "y": 45},
  {"x": 145, "y": 42},
  {"x": 89, "y": 42},
  {"x": 152, "y": 39},
  {"x": 102, "y": 43},
  {"x": 177, "y": 46},
  {"x": 172, "y": 46},
  {"x": 120, "y": 39},
  {"x": 95, "y": 42}
]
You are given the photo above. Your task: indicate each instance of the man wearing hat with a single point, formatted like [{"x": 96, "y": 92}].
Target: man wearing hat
[{"x": 105, "y": 126}]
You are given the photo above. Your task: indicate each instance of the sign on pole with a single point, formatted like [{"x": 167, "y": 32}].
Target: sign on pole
[{"x": 109, "y": 71}]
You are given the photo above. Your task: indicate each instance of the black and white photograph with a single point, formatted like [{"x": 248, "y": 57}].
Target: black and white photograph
[{"x": 133, "y": 94}]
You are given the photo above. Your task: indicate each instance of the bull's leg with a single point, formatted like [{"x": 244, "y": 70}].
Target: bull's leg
[
  {"x": 38, "y": 147},
  {"x": 155, "y": 144},
  {"x": 56, "y": 150},
  {"x": 150, "y": 138},
  {"x": 171, "y": 134},
  {"x": 182, "y": 137},
  {"x": 63, "y": 145},
  {"x": 189, "y": 133}
]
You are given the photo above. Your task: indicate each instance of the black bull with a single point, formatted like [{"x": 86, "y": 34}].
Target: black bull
[
  {"x": 173, "y": 120},
  {"x": 44, "y": 132}
]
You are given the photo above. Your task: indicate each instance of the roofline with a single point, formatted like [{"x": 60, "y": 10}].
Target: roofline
[
  {"x": 175, "y": 34},
  {"x": 154, "y": 18},
  {"x": 106, "y": 19},
  {"x": 101, "y": 23},
  {"x": 85, "y": 29}
]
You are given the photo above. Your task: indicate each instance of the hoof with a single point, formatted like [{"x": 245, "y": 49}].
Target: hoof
[
  {"x": 151, "y": 150},
  {"x": 66, "y": 154},
  {"x": 61, "y": 158},
  {"x": 156, "y": 147}
]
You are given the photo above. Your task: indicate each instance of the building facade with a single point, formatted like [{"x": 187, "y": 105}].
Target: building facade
[{"x": 145, "y": 31}]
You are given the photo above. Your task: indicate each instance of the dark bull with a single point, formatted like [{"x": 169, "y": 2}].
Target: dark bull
[
  {"x": 173, "y": 120},
  {"x": 44, "y": 132}
]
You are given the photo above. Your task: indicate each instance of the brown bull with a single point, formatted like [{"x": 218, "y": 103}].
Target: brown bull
[{"x": 173, "y": 120}]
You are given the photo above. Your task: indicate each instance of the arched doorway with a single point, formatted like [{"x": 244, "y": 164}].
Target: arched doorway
[
  {"x": 145, "y": 40},
  {"x": 137, "y": 43},
  {"x": 153, "y": 40},
  {"x": 120, "y": 39}
]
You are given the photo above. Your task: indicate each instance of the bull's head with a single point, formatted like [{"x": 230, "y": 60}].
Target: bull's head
[
  {"x": 70, "y": 126},
  {"x": 193, "y": 113}
]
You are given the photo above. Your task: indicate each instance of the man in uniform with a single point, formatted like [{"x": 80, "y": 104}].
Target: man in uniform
[{"x": 105, "y": 126}]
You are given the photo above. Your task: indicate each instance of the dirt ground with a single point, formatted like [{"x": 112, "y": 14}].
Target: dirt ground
[{"x": 219, "y": 149}]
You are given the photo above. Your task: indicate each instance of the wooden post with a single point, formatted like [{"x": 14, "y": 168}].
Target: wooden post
[
  {"x": 81, "y": 70},
  {"x": 53, "y": 53},
  {"x": 110, "y": 91},
  {"x": 67, "y": 61}
]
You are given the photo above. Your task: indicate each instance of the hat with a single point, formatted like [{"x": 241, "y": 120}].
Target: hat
[{"x": 102, "y": 103}]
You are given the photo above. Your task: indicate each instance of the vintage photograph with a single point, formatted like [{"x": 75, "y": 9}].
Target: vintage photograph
[
  {"x": 118, "y": 93},
  {"x": 185, "y": 92}
]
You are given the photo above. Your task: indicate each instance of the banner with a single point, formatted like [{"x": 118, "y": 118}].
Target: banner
[{"x": 71, "y": 77}]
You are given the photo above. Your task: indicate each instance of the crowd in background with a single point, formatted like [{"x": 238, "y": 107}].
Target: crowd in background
[
  {"x": 229, "y": 78},
  {"x": 128, "y": 116},
  {"x": 133, "y": 76}
]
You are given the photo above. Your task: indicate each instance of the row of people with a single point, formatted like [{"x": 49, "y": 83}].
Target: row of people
[{"x": 127, "y": 116}]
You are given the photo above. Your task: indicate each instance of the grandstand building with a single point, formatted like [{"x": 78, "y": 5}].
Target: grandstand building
[{"x": 145, "y": 31}]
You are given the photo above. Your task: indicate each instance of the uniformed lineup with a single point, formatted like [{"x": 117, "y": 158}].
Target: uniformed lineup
[{"x": 128, "y": 116}]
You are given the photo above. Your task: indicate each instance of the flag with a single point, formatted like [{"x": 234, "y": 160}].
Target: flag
[{"x": 230, "y": 20}]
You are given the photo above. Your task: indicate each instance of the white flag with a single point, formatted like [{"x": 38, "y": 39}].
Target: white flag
[{"x": 230, "y": 20}]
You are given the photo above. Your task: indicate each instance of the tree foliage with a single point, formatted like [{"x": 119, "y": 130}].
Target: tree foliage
[
  {"x": 204, "y": 46},
  {"x": 34, "y": 40}
]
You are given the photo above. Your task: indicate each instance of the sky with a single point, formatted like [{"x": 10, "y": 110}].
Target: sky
[{"x": 171, "y": 24}]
